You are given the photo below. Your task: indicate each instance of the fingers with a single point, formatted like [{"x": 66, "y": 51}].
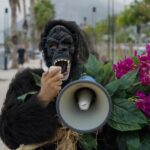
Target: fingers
[
  {"x": 44, "y": 76},
  {"x": 57, "y": 89},
  {"x": 58, "y": 77},
  {"x": 53, "y": 79},
  {"x": 54, "y": 70},
  {"x": 54, "y": 82},
  {"x": 59, "y": 83}
]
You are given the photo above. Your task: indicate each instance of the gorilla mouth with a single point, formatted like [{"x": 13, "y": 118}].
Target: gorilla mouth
[{"x": 65, "y": 65}]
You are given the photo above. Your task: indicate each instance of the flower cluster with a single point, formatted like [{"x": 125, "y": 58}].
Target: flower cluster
[
  {"x": 143, "y": 102},
  {"x": 126, "y": 65},
  {"x": 130, "y": 95},
  {"x": 143, "y": 64},
  {"x": 123, "y": 67}
]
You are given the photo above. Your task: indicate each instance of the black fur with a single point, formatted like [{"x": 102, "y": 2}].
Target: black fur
[{"x": 26, "y": 122}]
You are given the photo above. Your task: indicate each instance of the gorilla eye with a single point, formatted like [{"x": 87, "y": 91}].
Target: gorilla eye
[
  {"x": 67, "y": 41},
  {"x": 53, "y": 45}
]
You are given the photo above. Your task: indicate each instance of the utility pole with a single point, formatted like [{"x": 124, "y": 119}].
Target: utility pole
[
  {"x": 5, "y": 38},
  {"x": 109, "y": 27},
  {"x": 113, "y": 31},
  {"x": 25, "y": 23},
  {"x": 32, "y": 28},
  {"x": 25, "y": 31},
  {"x": 94, "y": 26}
]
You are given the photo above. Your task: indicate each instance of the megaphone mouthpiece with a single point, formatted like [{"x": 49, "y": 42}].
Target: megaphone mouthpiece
[{"x": 84, "y": 98}]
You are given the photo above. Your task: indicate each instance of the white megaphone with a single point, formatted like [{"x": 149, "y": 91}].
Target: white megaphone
[{"x": 84, "y": 105}]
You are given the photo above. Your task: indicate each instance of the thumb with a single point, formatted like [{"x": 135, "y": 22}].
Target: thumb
[{"x": 45, "y": 74}]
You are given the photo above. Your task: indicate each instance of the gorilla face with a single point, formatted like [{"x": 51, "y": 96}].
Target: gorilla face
[{"x": 60, "y": 49}]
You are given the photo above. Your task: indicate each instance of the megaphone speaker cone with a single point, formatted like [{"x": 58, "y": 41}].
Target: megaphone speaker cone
[{"x": 80, "y": 109}]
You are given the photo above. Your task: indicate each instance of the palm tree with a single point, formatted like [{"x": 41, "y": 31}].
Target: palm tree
[{"x": 13, "y": 6}]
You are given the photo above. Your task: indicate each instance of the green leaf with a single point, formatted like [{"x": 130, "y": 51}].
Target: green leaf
[
  {"x": 128, "y": 79},
  {"x": 24, "y": 96},
  {"x": 121, "y": 142},
  {"x": 108, "y": 73},
  {"x": 128, "y": 141},
  {"x": 121, "y": 94},
  {"x": 94, "y": 68},
  {"x": 141, "y": 87},
  {"x": 102, "y": 73},
  {"x": 92, "y": 64},
  {"x": 125, "y": 116},
  {"x": 149, "y": 122},
  {"x": 123, "y": 83},
  {"x": 98, "y": 76},
  {"x": 123, "y": 126},
  {"x": 135, "y": 60},
  {"x": 113, "y": 86},
  {"x": 37, "y": 79},
  {"x": 127, "y": 111},
  {"x": 88, "y": 142},
  {"x": 133, "y": 141},
  {"x": 145, "y": 142}
]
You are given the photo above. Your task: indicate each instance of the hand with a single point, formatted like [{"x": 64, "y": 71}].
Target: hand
[{"x": 51, "y": 82}]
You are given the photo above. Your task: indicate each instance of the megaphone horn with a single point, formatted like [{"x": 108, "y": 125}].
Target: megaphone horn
[{"x": 84, "y": 105}]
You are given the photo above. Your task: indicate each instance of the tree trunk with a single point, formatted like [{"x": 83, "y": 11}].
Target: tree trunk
[{"x": 14, "y": 33}]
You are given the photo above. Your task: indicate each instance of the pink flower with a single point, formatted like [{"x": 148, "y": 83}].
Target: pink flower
[
  {"x": 143, "y": 102},
  {"x": 123, "y": 67}
]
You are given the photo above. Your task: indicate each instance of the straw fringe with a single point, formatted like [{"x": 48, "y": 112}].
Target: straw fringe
[
  {"x": 68, "y": 141},
  {"x": 30, "y": 147},
  {"x": 65, "y": 139}
]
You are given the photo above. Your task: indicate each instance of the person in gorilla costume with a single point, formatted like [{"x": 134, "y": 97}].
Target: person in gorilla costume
[{"x": 33, "y": 123}]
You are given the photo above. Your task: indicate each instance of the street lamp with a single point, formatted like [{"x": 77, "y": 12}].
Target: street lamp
[
  {"x": 5, "y": 40},
  {"x": 94, "y": 16},
  {"x": 94, "y": 26},
  {"x": 85, "y": 21}
]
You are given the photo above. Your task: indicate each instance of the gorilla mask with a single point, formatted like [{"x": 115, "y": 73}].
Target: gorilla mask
[{"x": 60, "y": 49}]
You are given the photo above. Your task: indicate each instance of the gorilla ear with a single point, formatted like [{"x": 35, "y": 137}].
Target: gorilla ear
[
  {"x": 42, "y": 43},
  {"x": 76, "y": 40}
]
